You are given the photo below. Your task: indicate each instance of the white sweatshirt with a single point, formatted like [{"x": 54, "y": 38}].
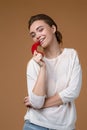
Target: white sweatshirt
[{"x": 64, "y": 75}]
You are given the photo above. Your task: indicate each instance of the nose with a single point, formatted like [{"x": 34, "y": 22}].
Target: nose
[{"x": 38, "y": 36}]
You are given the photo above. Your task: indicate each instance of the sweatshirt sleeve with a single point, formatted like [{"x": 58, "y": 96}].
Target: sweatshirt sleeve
[
  {"x": 73, "y": 89},
  {"x": 32, "y": 74}
]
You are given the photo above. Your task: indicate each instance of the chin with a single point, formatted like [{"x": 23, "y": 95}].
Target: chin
[{"x": 44, "y": 45}]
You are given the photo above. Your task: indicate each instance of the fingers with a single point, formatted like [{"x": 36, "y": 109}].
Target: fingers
[
  {"x": 26, "y": 101},
  {"x": 27, "y": 97},
  {"x": 37, "y": 56},
  {"x": 35, "y": 53}
]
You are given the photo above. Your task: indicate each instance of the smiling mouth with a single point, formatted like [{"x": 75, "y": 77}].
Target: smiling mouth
[{"x": 41, "y": 41}]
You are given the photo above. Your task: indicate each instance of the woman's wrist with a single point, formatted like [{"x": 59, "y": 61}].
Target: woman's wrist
[
  {"x": 42, "y": 64},
  {"x": 53, "y": 101}
]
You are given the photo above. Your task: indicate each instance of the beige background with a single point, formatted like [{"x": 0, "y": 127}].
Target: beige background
[{"x": 15, "y": 43}]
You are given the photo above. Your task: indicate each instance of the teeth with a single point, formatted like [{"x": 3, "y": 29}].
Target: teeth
[{"x": 41, "y": 40}]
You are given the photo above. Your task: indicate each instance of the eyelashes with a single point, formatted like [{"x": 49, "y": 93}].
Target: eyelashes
[
  {"x": 33, "y": 34},
  {"x": 40, "y": 29}
]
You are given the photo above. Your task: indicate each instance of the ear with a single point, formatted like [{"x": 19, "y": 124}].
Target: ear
[{"x": 53, "y": 28}]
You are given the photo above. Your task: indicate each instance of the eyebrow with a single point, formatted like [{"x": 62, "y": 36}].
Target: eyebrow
[{"x": 36, "y": 29}]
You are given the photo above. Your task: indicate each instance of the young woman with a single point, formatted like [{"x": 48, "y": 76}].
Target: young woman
[{"x": 53, "y": 80}]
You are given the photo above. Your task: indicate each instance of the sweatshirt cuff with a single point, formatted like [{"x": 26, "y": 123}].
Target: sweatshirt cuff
[
  {"x": 37, "y": 101},
  {"x": 62, "y": 97}
]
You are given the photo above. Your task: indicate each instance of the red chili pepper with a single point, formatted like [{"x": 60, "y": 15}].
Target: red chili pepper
[{"x": 34, "y": 47}]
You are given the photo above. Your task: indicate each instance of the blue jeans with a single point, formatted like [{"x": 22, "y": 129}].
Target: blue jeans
[{"x": 30, "y": 126}]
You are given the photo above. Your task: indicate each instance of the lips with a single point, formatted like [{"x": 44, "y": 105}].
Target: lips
[{"x": 41, "y": 41}]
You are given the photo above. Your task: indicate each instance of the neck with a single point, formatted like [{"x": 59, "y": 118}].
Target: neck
[{"x": 53, "y": 51}]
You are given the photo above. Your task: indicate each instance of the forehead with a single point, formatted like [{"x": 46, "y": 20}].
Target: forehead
[{"x": 38, "y": 23}]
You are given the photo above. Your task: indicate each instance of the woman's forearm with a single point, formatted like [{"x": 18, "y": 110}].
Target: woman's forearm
[
  {"x": 40, "y": 87},
  {"x": 53, "y": 101}
]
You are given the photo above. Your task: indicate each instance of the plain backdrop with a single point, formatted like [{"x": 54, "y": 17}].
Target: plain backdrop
[{"x": 15, "y": 52}]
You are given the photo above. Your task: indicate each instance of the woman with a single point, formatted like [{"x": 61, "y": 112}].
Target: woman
[{"x": 53, "y": 80}]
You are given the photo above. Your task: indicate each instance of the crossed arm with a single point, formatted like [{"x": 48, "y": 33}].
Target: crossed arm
[
  {"x": 41, "y": 91},
  {"x": 49, "y": 102},
  {"x": 67, "y": 95}
]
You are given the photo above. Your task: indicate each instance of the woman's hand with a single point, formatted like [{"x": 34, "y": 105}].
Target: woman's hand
[
  {"x": 27, "y": 102},
  {"x": 38, "y": 58}
]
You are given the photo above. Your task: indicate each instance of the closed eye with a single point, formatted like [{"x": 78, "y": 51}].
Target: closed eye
[
  {"x": 40, "y": 29},
  {"x": 32, "y": 34}
]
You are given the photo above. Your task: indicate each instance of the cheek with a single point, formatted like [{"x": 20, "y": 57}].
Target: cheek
[
  {"x": 34, "y": 39},
  {"x": 49, "y": 32},
  {"x": 50, "y": 35}
]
